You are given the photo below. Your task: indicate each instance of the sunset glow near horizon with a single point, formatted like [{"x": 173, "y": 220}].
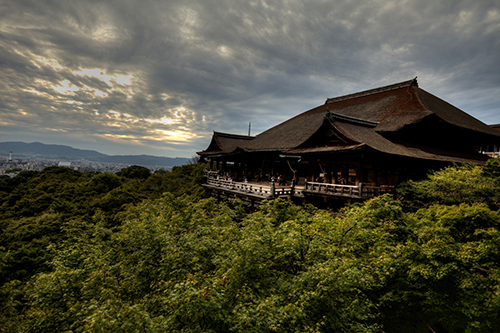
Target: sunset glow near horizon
[{"x": 157, "y": 78}]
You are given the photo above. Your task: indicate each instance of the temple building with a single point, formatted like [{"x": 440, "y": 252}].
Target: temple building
[{"x": 354, "y": 146}]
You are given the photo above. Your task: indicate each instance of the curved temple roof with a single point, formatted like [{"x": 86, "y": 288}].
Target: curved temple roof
[{"x": 366, "y": 118}]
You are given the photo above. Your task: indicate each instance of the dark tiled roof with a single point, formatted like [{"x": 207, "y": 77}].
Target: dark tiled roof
[
  {"x": 392, "y": 108},
  {"x": 400, "y": 151},
  {"x": 451, "y": 114},
  {"x": 226, "y": 143},
  {"x": 336, "y": 116},
  {"x": 364, "y": 118},
  {"x": 326, "y": 149},
  {"x": 395, "y": 86},
  {"x": 369, "y": 137},
  {"x": 290, "y": 133},
  {"x": 376, "y": 141}
]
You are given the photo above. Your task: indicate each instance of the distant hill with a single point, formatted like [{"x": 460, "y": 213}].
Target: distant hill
[
  {"x": 41, "y": 149},
  {"x": 60, "y": 151},
  {"x": 145, "y": 160}
]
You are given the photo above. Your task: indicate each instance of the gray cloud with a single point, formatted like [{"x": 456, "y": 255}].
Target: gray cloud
[{"x": 158, "y": 77}]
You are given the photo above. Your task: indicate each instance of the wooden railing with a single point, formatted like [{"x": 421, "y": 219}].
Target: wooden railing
[
  {"x": 260, "y": 190},
  {"x": 272, "y": 191},
  {"x": 352, "y": 191},
  {"x": 210, "y": 174},
  {"x": 347, "y": 190}
]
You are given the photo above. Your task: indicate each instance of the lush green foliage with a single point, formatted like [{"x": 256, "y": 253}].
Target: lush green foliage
[
  {"x": 179, "y": 263},
  {"x": 35, "y": 206},
  {"x": 454, "y": 185}
]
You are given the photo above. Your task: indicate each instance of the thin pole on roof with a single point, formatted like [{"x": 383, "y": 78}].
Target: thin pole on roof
[{"x": 249, "y": 126}]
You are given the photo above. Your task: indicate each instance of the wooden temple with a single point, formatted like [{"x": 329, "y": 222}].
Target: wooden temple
[{"x": 350, "y": 148}]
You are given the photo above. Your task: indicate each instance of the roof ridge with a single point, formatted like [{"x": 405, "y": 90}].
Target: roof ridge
[
  {"x": 348, "y": 119},
  {"x": 404, "y": 84},
  {"x": 234, "y": 136}
]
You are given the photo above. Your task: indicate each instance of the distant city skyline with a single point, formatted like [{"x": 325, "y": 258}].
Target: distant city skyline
[
  {"x": 13, "y": 167},
  {"x": 64, "y": 152},
  {"x": 158, "y": 77}
]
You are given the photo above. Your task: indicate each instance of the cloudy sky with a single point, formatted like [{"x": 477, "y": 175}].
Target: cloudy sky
[{"x": 157, "y": 77}]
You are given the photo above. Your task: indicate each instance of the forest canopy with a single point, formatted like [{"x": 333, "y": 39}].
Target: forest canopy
[{"x": 147, "y": 252}]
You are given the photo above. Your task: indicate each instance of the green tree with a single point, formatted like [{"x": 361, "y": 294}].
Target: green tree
[
  {"x": 492, "y": 169},
  {"x": 181, "y": 264},
  {"x": 92, "y": 258},
  {"x": 134, "y": 171},
  {"x": 447, "y": 275},
  {"x": 104, "y": 182},
  {"x": 453, "y": 185}
]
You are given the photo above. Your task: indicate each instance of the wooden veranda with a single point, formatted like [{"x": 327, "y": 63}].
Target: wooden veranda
[{"x": 252, "y": 194}]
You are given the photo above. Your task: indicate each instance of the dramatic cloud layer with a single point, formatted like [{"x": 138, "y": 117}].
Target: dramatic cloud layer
[{"x": 157, "y": 77}]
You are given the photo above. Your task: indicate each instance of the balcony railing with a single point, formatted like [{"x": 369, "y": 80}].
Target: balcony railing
[
  {"x": 360, "y": 191},
  {"x": 249, "y": 188},
  {"x": 352, "y": 191}
]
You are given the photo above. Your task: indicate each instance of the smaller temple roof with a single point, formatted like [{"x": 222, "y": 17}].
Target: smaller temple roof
[{"x": 226, "y": 143}]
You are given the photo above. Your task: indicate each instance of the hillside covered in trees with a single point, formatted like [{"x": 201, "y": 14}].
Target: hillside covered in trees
[{"x": 141, "y": 252}]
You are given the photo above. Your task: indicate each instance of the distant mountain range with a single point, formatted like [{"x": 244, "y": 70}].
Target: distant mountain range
[{"x": 60, "y": 151}]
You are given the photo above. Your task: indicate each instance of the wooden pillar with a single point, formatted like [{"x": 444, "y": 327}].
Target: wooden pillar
[
  {"x": 359, "y": 174},
  {"x": 310, "y": 173},
  {"x": 375, "y": 175},
  {"x": 328, "y": 173},
  {"x": 295, "y": 176},
  {"x": 334, "y": 173},
  {"x": 237, "y": 166}
]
